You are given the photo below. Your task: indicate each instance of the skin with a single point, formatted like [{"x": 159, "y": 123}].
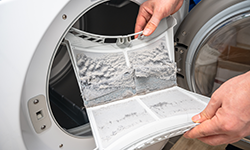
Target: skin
[
  {"x": 152, "y": 11},
  {"x": 226, "y": 119}
]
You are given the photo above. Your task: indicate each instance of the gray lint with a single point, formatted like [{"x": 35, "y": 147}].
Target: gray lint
[
  {"x": 107, "y": 78},
  {"x": 153, "y": 68},
  {"x": 120, "y": 119},
  {"x": 164, "y": 105}
]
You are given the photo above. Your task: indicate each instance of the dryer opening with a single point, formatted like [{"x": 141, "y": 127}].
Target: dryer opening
[{"x": 64, "y": 95}]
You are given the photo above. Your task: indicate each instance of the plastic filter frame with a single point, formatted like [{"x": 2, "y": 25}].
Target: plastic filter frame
[
  {"x": 129, "y": 88},
  {"x": 110, "y": 72}
]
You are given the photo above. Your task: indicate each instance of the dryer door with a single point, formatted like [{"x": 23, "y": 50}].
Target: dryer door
[{"x": 212, "y": 46}]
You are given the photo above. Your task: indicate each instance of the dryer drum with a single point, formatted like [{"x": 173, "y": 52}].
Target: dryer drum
[{"x": 104, "y": 19}]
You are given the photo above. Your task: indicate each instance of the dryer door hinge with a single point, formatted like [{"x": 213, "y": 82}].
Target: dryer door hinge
[{"x": 180, "y": 57}]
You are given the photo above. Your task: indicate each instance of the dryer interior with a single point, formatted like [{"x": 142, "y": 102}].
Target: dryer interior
[{"x": 108, "y": 18}]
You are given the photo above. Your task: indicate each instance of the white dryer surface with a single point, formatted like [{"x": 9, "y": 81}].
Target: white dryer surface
[{"x": 141, "y": 121}]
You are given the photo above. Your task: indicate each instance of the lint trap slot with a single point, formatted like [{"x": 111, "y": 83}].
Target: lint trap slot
[{"x": 103, "y": 39}]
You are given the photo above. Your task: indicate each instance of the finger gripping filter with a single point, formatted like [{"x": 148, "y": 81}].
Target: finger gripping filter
[{"x": 129, "y": 87}]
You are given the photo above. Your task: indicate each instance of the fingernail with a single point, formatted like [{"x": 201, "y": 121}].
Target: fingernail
[
  {"x": 146, "y": 31},
  {"x": 196, "y": 118}
]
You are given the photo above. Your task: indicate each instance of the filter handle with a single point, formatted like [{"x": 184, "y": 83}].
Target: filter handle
[{"x": 121, "y": 41}]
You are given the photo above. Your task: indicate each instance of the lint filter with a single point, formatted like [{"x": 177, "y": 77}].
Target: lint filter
[{"x": 129, "y": 87}]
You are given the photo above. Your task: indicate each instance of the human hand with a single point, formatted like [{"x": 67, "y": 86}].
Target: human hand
[
  {"x": 152, "y": 11},
  {"x": 226, "y": 119}
]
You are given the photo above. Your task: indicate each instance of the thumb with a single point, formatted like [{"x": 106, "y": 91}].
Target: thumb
[
  {"x": 208, "y": 112},
  {"x": 152, "y": 25}
]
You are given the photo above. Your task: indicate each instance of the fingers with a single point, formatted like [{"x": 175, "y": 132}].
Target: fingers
[
  {"x": 217, "y": 140},
  {"x": 152, "y": 25},
  {"x": 206, "y": 128},
  {"x": 224, "y": 119},
  {"x": 152, "y": 11},
  {"x": 158, "y": 12},
  {"x": 214, "y": 140},
  {"x": 212, "y": 107},
  {"x": 218, "y": 130},
  {"x": 143, "y": 17},
  {"x": 177, "y": 7}
]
